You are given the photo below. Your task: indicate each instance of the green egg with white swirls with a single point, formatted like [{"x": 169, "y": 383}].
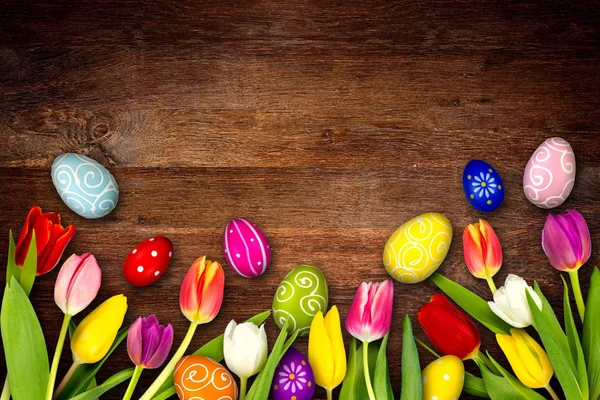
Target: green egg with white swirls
[{"x": 299, "y": 297}]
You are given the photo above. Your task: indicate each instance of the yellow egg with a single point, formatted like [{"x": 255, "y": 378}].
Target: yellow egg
[
  {"x": 418, "y": 247},
  {"x": 443, "y": 379}
]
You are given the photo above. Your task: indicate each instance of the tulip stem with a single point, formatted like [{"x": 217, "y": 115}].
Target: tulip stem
[
  {"x": 429, "y": 349},
  {"x": 491, "y": 284},
  {"x": 66, "y": 379},
  {"x": 366, "y": 370},
  {"x": 574, "y": 275},
  {"x": 137, "y": 372},
  {"x": 243, "y": 385},
  {"x": 6, "y": 390},
  {"x": 168, "y": 370},
  {"x": 56, "y": 359},
  {"x": 329, "y": 394},
  {"x": 551, "y": 391}
]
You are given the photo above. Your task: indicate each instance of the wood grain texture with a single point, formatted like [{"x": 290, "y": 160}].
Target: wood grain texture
[{"x": 329, "y": 124}]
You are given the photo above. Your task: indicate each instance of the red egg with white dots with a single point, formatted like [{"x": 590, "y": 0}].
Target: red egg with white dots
[{"x": 148, "y": 261}]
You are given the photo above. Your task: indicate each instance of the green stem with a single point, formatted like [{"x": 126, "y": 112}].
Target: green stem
[
  {"x": 168, "y": 370},
  {"x": 366, "y": 370},
  {"x": 552, "y": 392},
  {"x": 329, "y": 394},
  {"x": 5, "y": 390},
  {"x": 65, "y": 380},
  {"x": 243, "y": 385},
  {"x": 491, "y": 284},
  {"x": 137, "y": 372},
  {"x": 429, "y": 349},
  {"x": 577, "y": 292},
  {"x": 59, "y": 348},
  {"x": 483, "y": 358}
]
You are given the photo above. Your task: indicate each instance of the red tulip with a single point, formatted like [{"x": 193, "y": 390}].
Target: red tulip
[
  {"x": 201, "y": 292},
  {"x": 448, "y": 328},
  {"x": 50, "y": 238}
]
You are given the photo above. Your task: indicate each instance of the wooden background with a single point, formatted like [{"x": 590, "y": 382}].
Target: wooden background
[{"x": 328, "y": 123}]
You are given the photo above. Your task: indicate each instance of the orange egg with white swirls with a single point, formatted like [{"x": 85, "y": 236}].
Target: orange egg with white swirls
[{"x": 199, "y": 377}]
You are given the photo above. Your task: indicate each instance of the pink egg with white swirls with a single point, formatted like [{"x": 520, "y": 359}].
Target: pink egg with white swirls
[
  {"x": 550, "y": 173},
  {"x": 246, "y": 248}
]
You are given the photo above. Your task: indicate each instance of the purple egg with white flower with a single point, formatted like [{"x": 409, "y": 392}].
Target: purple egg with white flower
[
  {"x": 246, "y": 248},
  {"x": 294, "y": 378}
]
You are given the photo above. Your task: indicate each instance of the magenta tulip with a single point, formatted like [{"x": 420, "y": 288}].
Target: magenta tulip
[
  {"x": 566, "y": 241},
  {"x": 148, "y": 342},
  {"x": 77, "y": 284}
]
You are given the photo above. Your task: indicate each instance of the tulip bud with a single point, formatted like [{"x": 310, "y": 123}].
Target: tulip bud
[
  {"x": 245, "y": 348},
  {"x": 50, "y": 239},
  {"x": 482, "y": 251},
  {"x": 448, "y": 328},
  {"x": 566, "y": 240},
  {"x": 510, "y": 302},
  {"x": 527, "y": 358},
  {"x": 370, "y": 314},
  {"x": 97, "y": 332},
  {"x": 148, "y": 342},
  {"x": 201, "y": 292},
  {"x": 77, "y": 284}
]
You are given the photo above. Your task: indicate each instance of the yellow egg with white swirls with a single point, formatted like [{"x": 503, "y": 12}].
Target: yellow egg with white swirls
[
  {"x": 443, "y": 379},
  {"x": 418, "y": 248}
]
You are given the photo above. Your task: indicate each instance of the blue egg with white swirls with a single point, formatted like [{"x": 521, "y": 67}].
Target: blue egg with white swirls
[
  {"x": 483, "y": 186},
  {"x": 84, "y": 185}
]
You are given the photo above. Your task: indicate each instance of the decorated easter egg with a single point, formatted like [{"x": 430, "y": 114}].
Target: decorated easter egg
[
  {"x": 443, "y": 379},
  {"x": 199, "y": 377},
  {"x": 483, "y": 186},
  {"x": 550, "y": 173},
  {"x": 293, "y": 379},
  {"x": 246, "y": 248},
  {"x": 418, "y": 247},
  {"x": 84, "y": 185},
  {"x": 148, "y": 261},
  {"x": 298, "y": 298}
]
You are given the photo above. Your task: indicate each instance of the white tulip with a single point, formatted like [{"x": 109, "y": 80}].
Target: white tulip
[
  {"x": 510, "y": 302},
  {"x": 245, "y": 348}
]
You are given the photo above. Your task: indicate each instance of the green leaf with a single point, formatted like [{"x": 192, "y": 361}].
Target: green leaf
[
  {"x": 24, "y": 345},
  {"x": 262, "y": 385},
  {"x": 502, "y": 388},
  {"x": 349, "y": 389},
  {"x": 574, "y": 343},
  {"x": 29, "y": 266},
  {"x": 590, "y": 337},
  {"x": 474, "y": 305},
  {"x": 526, "y": 392},
  {"x": 474, "y": 386},
  {"x": 412, "y": 388},
  {"x": 84, "y": 374},
  {"x": 12, "y": 269},
  {"x": 556, "y": 345},
  {"x": 108, "y": 384},
  {"x": 382, "y": 386}
]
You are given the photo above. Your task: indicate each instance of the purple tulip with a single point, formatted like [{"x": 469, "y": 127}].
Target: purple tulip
[
  {"x": 566, "y": 240},
  {"x": 148, "y": 342}
]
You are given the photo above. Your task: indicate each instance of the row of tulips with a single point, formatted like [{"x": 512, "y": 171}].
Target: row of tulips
[{"x": 573, "y": 358}]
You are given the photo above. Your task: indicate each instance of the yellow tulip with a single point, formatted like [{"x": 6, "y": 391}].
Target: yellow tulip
[
  {"x": 527, "y": 358},
  {"x": 97, "y": 332},
  {"x": 326, "y": 352}
]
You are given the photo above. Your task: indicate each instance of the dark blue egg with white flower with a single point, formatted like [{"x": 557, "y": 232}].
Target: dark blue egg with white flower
[
  {"x": 294, "y": 378},
  {"x": 483, "y": 186}
]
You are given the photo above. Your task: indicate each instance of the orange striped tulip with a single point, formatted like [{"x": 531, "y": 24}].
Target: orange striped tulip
[
  {"x": 482, "y": 251},
  {"x": 201, "y": 292}
]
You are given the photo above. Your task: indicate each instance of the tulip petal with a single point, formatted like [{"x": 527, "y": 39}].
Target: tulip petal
[
  {"x": 151, "y": 334},
  {"x": 493, "y": 250},
  {"x": 473, "y": 251},
  {"x": 381, "y": 311},
  {"x": 84, "y": 285},
  {"x": 320, "y": 353},
  {"x": 135, "y": 342},
  {"x": 25, "y": 236},
  {"x": 212, "y": 293},
  {"x": 334, "y": 329},
  {"x": 583, "y": 231},
  {"x": 63, "y": 281},
  {"x": 162, "y": 351},
  {"x": 504, "y": 316},
  {"x": 354, "y": 318},
  {"x": 60, "y": 238},
  {"x": 529, "y": 352},
  {"x": 557, "y": 244},
  {"x": 189, "y": 302}
]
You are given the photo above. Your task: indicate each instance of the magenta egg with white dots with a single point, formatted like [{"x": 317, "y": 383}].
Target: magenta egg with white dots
[
  {"x": 246, "y": 248},
  {"x": 148, "y": 261}
]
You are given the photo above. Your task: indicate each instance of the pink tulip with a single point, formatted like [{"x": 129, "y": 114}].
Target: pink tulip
[
  {"x": 370, "y": 314},
  {"x": 148, "y": 342},
  {"x": 566, "y": 240},
  {"x": 77, "y": 284}
]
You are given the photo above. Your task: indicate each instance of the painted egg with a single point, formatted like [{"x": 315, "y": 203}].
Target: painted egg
[
  {"x": 299, "y": 296},
  {"x": 148, "y": 261},
  {"x": 293, "y": 379},
  {"x": 246, "y": 248},
  {"x": 199, "y": 377},
  {"x": 550, "y": 173},
  {"x": 443, "y": 379},
  {"x": 84, "y": 185},
  {"x": 482, "y": 186},
  {"x": 418, "y": 248}
]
